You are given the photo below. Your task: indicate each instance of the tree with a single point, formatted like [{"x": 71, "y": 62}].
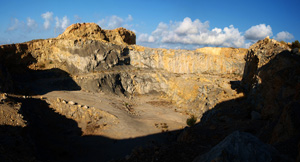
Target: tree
[{"x": 296, "y": 44}]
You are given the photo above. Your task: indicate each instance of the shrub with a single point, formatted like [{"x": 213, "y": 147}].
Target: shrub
[
  {"x": 191, "y": 121},
  {"x": 296, "y": 44}
]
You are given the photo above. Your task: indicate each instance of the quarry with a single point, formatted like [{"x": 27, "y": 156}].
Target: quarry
[{"x": 94, "y": 95}]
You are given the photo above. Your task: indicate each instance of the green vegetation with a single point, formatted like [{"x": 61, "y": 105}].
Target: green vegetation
[{"x": 191, "y": 121}]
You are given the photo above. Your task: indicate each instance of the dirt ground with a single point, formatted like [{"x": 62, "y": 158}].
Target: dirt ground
[
  {"x": 137, "y": 117},
  {"x": 140, "y": 122}
]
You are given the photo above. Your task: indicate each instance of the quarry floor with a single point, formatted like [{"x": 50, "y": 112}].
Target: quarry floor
[
  {"x": 149, "y": 120},
  {"x": 148, "y": 114}
]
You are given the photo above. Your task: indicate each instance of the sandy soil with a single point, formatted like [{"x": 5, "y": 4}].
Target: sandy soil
[{"x": 139, "y": 116}]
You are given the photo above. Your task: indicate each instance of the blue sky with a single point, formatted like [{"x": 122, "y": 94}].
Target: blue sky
[{"x": 187, "y": 24}]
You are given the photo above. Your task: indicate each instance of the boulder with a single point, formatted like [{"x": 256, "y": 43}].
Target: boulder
[
  {"x": 240, "y": 146},
  {"x": 121, "y": 36},
  {"x": 295, "y": 50},
  {"x": 255, "y": 115}
]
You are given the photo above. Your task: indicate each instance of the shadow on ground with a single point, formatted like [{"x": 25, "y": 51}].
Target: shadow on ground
[
  {"x": 40, "y": 82},
  {"x": 50, "y": 136}
]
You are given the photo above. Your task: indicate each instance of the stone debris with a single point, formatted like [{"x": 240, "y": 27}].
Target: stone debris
[{"x": 71, "y": 102}]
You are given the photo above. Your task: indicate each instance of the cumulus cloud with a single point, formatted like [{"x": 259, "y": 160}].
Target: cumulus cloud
[
  {"x": 195, "y": 32},
  {"x": 112, "y": 22},
  {"x": 115, "y": 22},
  {"x": 48, "y": 17},
  {"x": 61, "y": 24},
  {"x": 31, "y": 24},
  {"x": 146, "y": 38},
  {"x": 16, "y": 24},
  {"x": 187, "y": 26},
  {"x": 284, "y": 36},
  {"x": 258, "y": 32}
]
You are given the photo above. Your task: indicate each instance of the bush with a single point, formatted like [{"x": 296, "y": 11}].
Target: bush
[
  {"x": 191, "y": 121},
  {"x": 296, "y": 44}
]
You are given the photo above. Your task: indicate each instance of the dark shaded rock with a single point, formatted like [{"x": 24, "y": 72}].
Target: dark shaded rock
[
  {"x": 255, "y": 115},
  {"x": 240, "y": 146}
]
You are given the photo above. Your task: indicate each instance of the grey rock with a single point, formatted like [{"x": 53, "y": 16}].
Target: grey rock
[
  {"x": 255, "y": 115},
  {"x": 295, "y": 50},
  {"x": 240, "y": 146}
]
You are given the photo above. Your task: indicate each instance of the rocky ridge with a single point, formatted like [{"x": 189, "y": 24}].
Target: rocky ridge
[{"x": 91, "y": 31}]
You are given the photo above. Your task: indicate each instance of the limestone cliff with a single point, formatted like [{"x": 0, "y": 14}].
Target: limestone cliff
[{"x": 205, "y": 60}]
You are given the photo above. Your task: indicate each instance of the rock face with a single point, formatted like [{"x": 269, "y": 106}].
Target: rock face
[
  {"x": 258, "y": 55},
  {"x": 240, "y": 146},
  {"x": 207, "y": 60},
  {"x": 271, "y": 81},
  {"x": 101, "y": 60},
  {"x": 91, "y": 31}
]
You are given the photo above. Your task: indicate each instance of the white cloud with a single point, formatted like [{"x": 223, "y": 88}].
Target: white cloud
[
  {"x": 283, "y": 36},
  {"x": 146, "y": 38},
  {"x": 61, "y": 24},
  {"x": 187, "y": 26},
  {"x": 48, "y": 17},
  {"x": 195, "y": 33},
  {"x": 14, "y": 25},
  {"x": 31, "y": 24},
  {"x": 115, "y": 22},
  {"x": 258, "y": 32},
  {"x": 21, "y": 25},
  {"x": 112, "y": 22}
]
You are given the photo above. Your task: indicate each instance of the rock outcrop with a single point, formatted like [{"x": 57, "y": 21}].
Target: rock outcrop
[
  {"x": 240, "y": 146},
  {"x": 91, "y": 31},
  {"x": 271, "y": 84},
  {"x": 258, "y": 55}
]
